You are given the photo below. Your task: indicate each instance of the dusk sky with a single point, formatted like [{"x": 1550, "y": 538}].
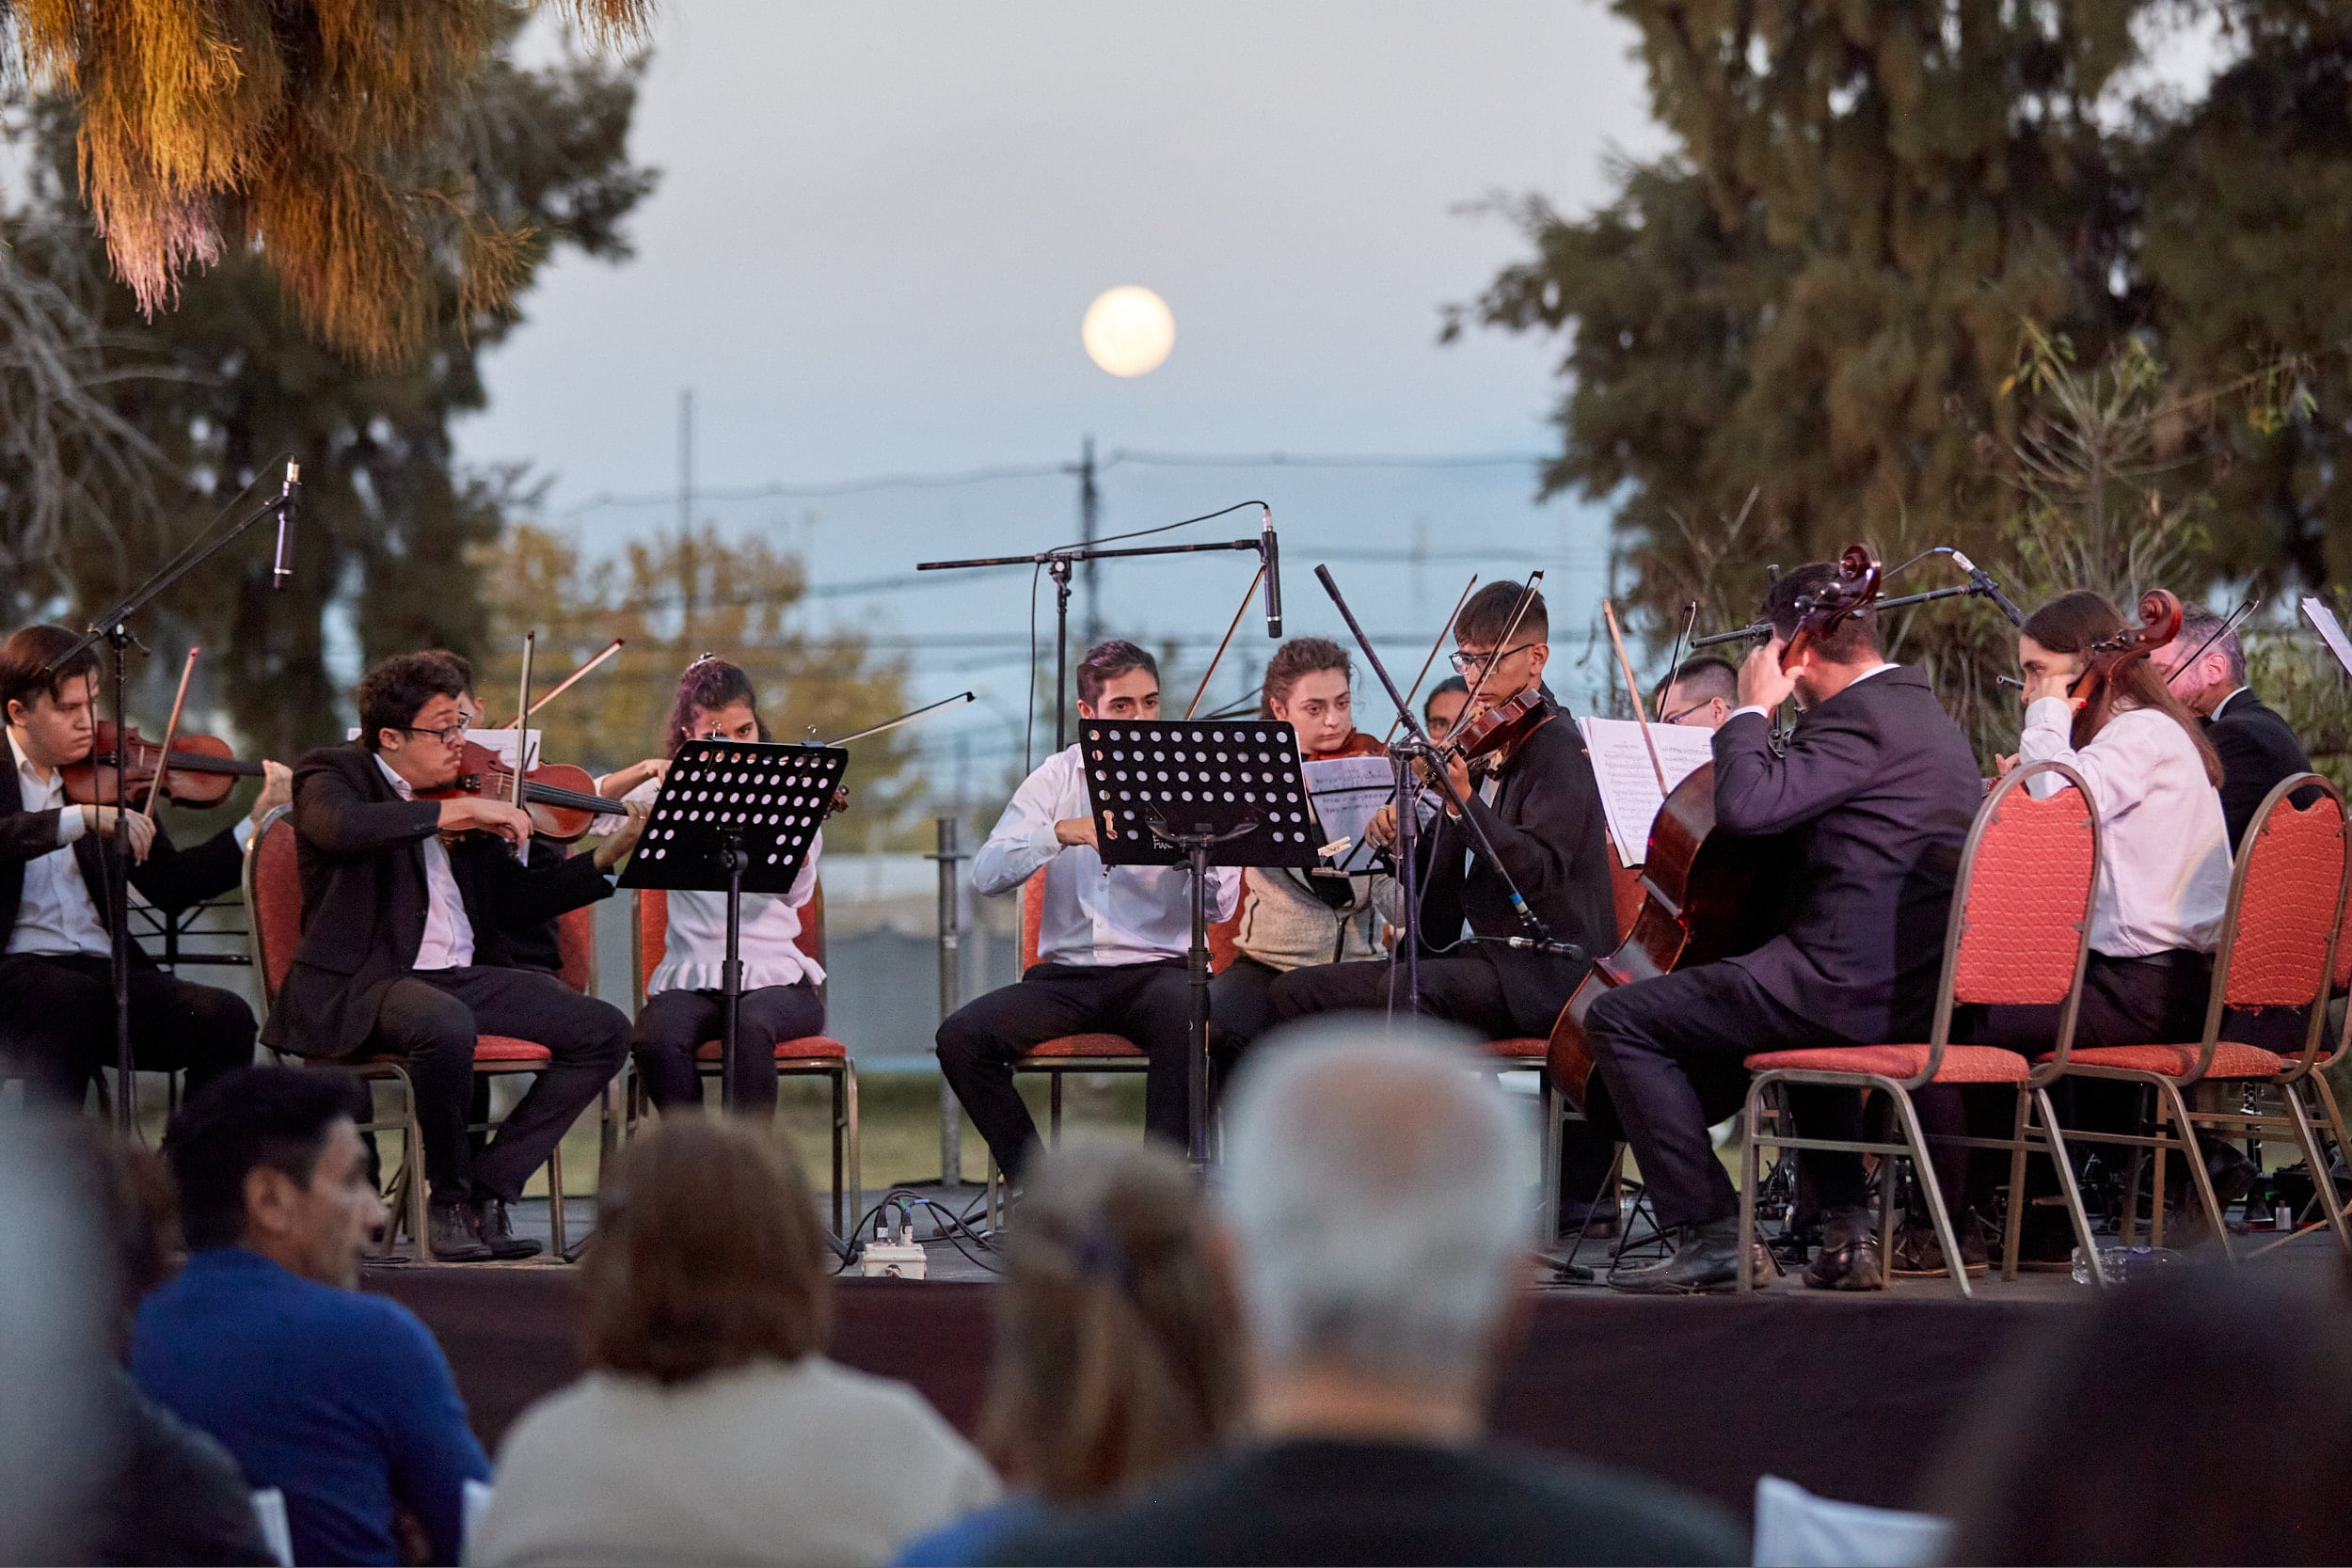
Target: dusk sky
[{"x": 877, "y": 231}]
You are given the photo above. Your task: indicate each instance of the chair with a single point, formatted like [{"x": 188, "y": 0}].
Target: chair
[
  {"x": 273, "y": 897},
  {"x": 2278, "y": 949},
  {"x": 810, "y": 1057},
  {"x": 2019, "y": 933}
]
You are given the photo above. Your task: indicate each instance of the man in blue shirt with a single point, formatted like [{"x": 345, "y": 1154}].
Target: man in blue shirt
[{"x": 340, "y": 1400}]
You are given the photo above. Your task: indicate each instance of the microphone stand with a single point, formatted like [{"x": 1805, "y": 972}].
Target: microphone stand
[
  {"x": 1418, "y": 744},
  {"x": 1058, "y": 563},
  {"x": 114, "y": 629}
]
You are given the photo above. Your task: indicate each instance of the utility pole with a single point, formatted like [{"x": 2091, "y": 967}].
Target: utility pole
[
  {"x": 1089, "y": 504},
  {"x": 685, "y": 461}
]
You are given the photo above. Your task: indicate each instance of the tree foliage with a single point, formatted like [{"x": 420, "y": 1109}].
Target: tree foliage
[{"x": 324, "y": 137}]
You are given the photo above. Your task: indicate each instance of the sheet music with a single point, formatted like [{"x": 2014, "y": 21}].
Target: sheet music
[
  {"x": 2330, "y": 630},
  {"x": 1346, "y": 792},
  {"x": 1629, "y": 796}
]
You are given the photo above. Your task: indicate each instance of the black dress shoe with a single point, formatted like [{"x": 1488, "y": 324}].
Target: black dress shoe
[
  {"x": 497, "y": 1232},
  {"x": 1918, "y": 1254},
  {"x": 1707, "y": 1258},
  {"x": 1849, "y": 1258},
  {"x": 450, "y": 1236}
]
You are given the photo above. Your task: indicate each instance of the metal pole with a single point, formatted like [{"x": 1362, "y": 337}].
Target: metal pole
[{"x": 950, "y": 858}]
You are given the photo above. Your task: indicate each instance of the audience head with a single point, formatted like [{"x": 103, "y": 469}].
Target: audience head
[
  {"x": 1493, "y": 667},
  {"x": 1307, "y": 687},
  {"x": 125, "y": 1194},
  {"x": 268, "y": 1158},
  {"x": 1117, "y": 1347},
  {"x": 1119, "y": 680},
  {"x": 2060, "y": 638},
  {"x": 1442, "y": 709},
  {"x": 708, "y": 1256},
  {"x": 52, "y": 710},
  {"x": 2202, "y": 679},
  {"x": 1374, "y": 1184},
  {"x": 2192, "y": 1419},
  {"x": 716, "y": 700},
  {"x": 1703, "y": 693}
]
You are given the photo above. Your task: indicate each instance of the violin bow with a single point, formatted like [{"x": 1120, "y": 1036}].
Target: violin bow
[
  {"x": 1443, "y": 632},
  {"x": 1510, "y": 629},
  {"x": 1673, "y": 660},
  {"x": 2245, "y": 606},
  {"x": 906, "y": 717},
  {"x": 1617, "y": 640},
  {"x": 522, "y": 735},
  {"x": 171, "y": 733},
  {"x": 1207, "y": 675},
  {"x": 569, "y": 682}
]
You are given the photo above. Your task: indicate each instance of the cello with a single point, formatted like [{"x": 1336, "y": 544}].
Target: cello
[{"x": 1706, "y": 894}]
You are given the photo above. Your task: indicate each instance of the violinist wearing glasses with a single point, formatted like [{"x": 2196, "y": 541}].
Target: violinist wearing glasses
[
  {"x": 57, "y": 970},
  {"x": 407, "y": 902},
  {"x": 1541, "y": 810}
]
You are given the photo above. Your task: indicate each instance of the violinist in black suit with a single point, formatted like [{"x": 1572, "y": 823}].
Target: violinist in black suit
[
  {"x": 2255, "y": 745},
  {"x": 407, "y": 909},
  {"x": 57, "y": 973},
  {"x": 1877, "y": 789}
]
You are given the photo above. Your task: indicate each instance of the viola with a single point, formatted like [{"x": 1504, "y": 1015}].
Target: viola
[
  {"x": 1706, "y": 894},
  {"x": 199, "y": 772},
  {"x": 561, "y": 799}
]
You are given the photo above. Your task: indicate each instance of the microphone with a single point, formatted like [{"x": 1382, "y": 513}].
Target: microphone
[
  {"x": 1991, "y": 590},
  {"x": 1272, "y": 554},
  {"x": 282, "y": 567}
]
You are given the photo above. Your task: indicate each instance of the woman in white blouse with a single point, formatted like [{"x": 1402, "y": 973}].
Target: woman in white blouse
[{"x": 781, "y": 1002}]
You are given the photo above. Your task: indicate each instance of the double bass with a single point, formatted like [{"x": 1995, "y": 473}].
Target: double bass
[{"x": 1706, "y": 894}]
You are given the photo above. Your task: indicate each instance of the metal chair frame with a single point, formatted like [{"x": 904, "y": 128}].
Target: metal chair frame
[
  {"x": 839, "y": 1071},
  {"x": 2025, "y": 1137},
  {"x": 2174, "y": 1104},
  {"x": 406, "y": 1198}
]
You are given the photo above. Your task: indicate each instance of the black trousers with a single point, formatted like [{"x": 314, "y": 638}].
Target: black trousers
[
  {"x": 1148, "y": 1003},
  {"x": 1467, "y": 990},
  {"x": 432, "y": 1017},
  {"x": 1670, "y": 1052},
  {"x": 57, "y": 1024},
  {"x": 1241, "y": 1005},
  {"x": 673, "y": 1023}
]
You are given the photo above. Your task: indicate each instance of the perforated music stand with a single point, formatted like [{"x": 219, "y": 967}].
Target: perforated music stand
[
  {"x": 1198, "y": 793},
  {"x": 734, "y": 816}
]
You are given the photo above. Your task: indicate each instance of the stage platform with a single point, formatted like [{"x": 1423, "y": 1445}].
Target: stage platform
[{"x": 1850, "y": 1395}]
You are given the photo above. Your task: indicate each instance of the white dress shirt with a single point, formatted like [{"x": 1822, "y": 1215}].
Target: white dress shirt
[
  {"x": 56, "y": 914},
  {"x": 448, "y": 933},
  {"x": 696, "y": 947},
  {"x": 1094, "y": 914},
  {"x": 2164, "y": 872}
]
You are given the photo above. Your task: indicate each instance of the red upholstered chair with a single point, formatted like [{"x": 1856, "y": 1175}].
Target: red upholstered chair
[
  {"x": 810, "y": 1057},
  {"x": 2278, "y": 949},
  {"x": 2019, "y": 933},
  {"x": 272, "y": 901}
]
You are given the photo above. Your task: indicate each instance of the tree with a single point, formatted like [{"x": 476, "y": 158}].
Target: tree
[
  {"x": 321, "y": 141},
  {"x": 676, "y": 596},
  {"x": 229, "y": 380}
]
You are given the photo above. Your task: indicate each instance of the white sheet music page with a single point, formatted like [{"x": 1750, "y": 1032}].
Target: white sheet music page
[
  {"x": 2330, "y": 630},
  {"x": 1629, "y": 796},
  {"x": 1346, "y": 792}
]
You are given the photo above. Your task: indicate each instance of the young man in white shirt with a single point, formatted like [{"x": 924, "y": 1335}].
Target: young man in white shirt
[
  {"x": 57, "y": 1026},
  {"x": 1111, "y": 941}
]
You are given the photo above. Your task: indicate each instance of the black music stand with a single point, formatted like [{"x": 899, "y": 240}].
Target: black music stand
[
  {"x": 1198, "y": 793},
  {"x": 734, "y": 816}
]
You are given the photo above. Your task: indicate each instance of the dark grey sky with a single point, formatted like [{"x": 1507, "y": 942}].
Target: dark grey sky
[{"x": 877, "y": 227}]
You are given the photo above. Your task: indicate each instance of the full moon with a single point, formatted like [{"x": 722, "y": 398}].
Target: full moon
[{"x": 1128, "y": 331}]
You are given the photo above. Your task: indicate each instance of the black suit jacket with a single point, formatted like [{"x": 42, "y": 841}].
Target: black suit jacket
[
  {"x": 1355, "y": 1502},
  {"x": 1547, "y": 825},
  {"x": 172, "y": 879},
  {"x": 2257, "y": 749},
  {"x": 1877, "y": 793},
  {"x": 360, "y": 851}
]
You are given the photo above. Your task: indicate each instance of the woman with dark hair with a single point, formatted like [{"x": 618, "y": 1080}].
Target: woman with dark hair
[
  {"x": 1289, "y": 918},
  {"x": 1118, "y": 1348},
  {"x": 712, "y": 1427},
  {"x": 716, "y": 702}
]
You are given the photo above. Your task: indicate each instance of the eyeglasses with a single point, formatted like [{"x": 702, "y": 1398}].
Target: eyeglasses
[
  {"x": 1677, "y": 717},
  {"x": 448, "y": 734},
  {"x": 1464, "y": 663}
]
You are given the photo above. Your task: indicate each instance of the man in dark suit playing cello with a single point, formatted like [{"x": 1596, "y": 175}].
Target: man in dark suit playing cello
[{"x": 1877, "y": 791}]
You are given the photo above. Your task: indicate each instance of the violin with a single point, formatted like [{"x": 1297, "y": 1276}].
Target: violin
[
  {"x": 1487, "y": 741},
  {"x": 1706, "y": 894},
  {"x": 561, "y": 799},
  {"x": 199, "y": 772}
]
